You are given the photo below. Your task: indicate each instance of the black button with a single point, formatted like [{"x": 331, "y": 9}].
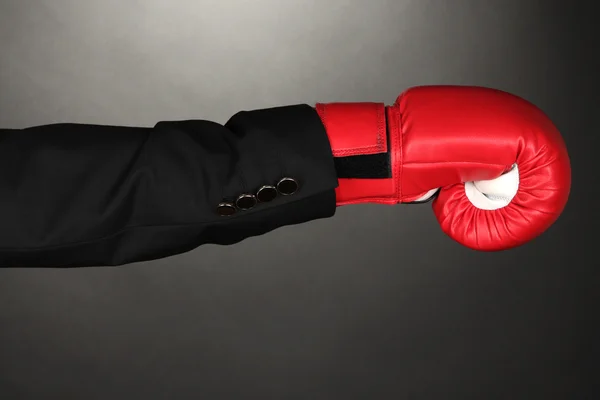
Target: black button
[
  {"x": 287, "y": 186},
  {"x": 245, "y": 201},
  {"x": 266, "y": 193},
  {"x": 225, "y": 209}
]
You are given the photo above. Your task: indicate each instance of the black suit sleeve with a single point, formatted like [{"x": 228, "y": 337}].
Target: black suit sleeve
[{"x": 74, "y": 195}]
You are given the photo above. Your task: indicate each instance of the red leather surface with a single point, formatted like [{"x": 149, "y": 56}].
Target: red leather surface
[
  {"x": 443, "y": 136},
  {"x": 458, "y": 134},
  {"x": 354, "y": 128}
]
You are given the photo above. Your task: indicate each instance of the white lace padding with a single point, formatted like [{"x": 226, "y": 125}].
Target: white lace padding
[
  {"x": 427, "y": 195},
  {"x": 495, "y": 193}
]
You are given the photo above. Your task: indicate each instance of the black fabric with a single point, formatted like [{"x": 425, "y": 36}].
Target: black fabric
[
  {"x": 74, "y": 195},
  {"x": 372, "y": 166}
]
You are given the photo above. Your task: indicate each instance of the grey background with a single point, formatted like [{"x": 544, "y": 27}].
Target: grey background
[{"x": 375, "y": 303}]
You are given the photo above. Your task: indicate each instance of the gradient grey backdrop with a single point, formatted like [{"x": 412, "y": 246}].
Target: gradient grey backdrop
[{"x": 375, "y": 303}]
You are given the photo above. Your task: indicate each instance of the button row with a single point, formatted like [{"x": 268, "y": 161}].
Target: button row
[{"x": 285, "y": 187}]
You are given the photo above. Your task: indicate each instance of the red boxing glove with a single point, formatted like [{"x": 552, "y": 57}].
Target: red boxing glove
[{"x": 496, "y": 165}]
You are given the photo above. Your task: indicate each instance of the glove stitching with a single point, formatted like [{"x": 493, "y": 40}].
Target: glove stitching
[{"x": 400, "y": 135}]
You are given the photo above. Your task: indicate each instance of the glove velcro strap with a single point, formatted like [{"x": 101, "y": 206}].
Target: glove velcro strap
[
  {"x": 355, "y": 129},
  {"x": 360, "y": 140}
]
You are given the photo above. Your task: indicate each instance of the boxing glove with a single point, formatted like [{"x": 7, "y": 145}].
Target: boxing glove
[{"x": 494, "y": 164}]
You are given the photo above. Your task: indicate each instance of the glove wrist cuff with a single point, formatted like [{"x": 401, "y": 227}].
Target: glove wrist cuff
[
  {"x": 355, "y": 129},
  {"x": 364, "y": 147}
]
